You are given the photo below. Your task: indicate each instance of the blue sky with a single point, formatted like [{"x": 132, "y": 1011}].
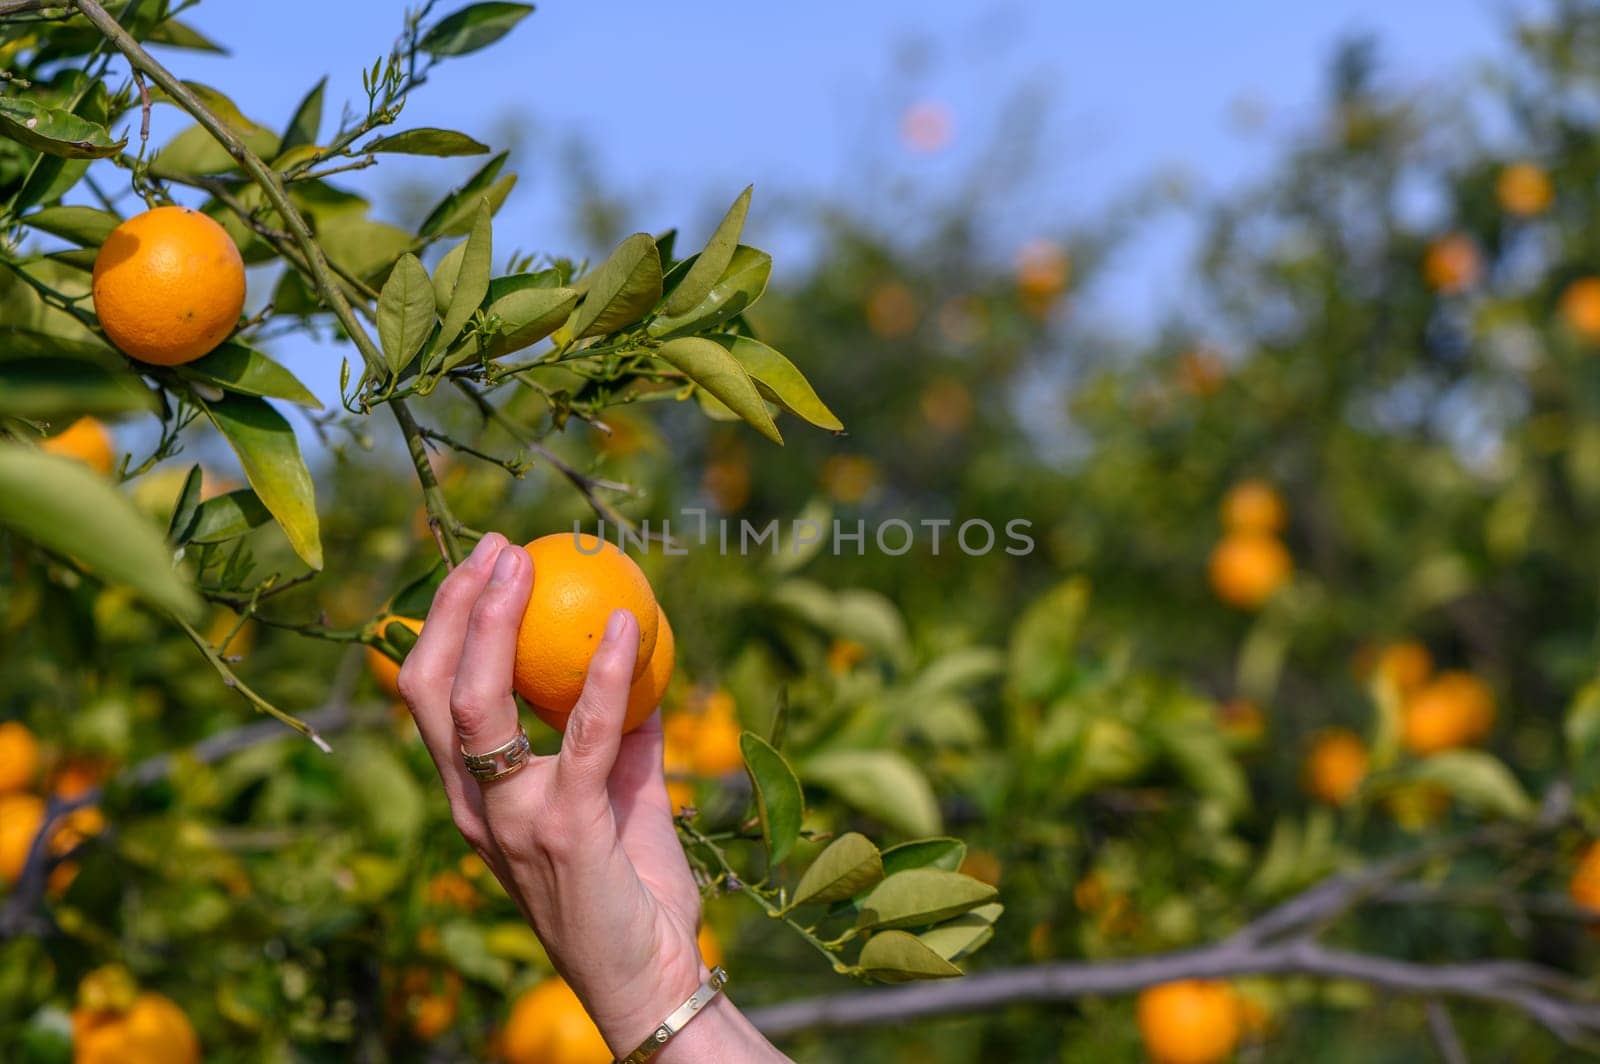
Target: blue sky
[{"x": 685, "y": 102}]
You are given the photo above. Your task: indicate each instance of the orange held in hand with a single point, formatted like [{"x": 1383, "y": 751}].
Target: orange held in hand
[
  {"x": 1189, "y": 1022},
  {"x": 86, "y": 440},
  {"x": 168, "y": 285},
  {"x": 577, "y": 582}
]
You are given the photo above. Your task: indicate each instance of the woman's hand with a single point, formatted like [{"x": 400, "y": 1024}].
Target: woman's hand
[{"x": 583, "y": 840}]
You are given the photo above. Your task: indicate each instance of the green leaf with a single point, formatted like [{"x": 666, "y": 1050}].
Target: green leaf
[
  {"x": 779, "y": 381},
  {"x": 455, "y": 214},
  {"x": 740, "y": 285},
  {"x": 899, "y": 957},
  {"x": 195, "y": 151},
  {"x": 307, "y": 121},
  {"x": 964, "y": 934},
  {"x": 228, "y": 517},
  {"x": 527, "y": 314},
  {"x": 473, "y": 27},
  {"x": 63, "y": 506},
  {"x": 1477, "y": 779},
  {"x": 1044, "y": 641},
  {"x": 1582, "y": 728},
  {"x": 383, "y": 792},
  {"x": 622, "y": 290},
  {"x": 919, "y": 897},
  {"x": 416, "y": 598},
  {"x": 405, "y": 312},
  {"x": 472, "y": 282},
  {"x": 713, "y": 260},
  {"x": 881, "y": 783},
  {"x": 1202, "y": 756},
  {"x": 272, "y": 463},
  {"x": 427, "y": 141},
  {"x": 175, "y": 34},
  {"x": 942, "y": 852},
  {"x": 187, "y": 507},
  {"x": 779, "y": 800},
  {"x": 51, "y": 387},
  {"x": 849, "y": 865},
  {"x": 465, "y": 946},
  {"x": 444, "y": 277},
  {"x": 84, "y": 226},
  {"x": 246, "y": 371},
  {"x": 55, "y": 132},
  {"x": 708, "y": 364}
]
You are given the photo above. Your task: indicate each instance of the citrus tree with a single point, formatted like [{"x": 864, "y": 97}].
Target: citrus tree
[{"x": 1276, "y": 738}]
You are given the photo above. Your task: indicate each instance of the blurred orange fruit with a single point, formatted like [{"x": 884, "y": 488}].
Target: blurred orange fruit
[
  {"x": 946, "y": 406},
  {"x": 385, "y": 670},
  {"x": 451, "y": 890},
  {"x": 926, "y": 126},
  {"x": 168, "y": 285},
  {"x": 726, "y": 482},
  {"x": 1241, "y": 720},
  {"x": 21, "y": 816},
  {"x": 88, "y": 441},
  {"x": 716, "y": 738},
  {"x": 548, "y": 1025},
  {"x": 1580, "y": 306},
  {"x": 19, "y": 757},
  {"x": 1451, "y": 264},
  {"x": 429, "y": 1001},
  {"x": 1247, "y": 568},
  {"x": 1335, "y": 766},
  {"x": 710, "y": 948},
  {"x": 1455, "y": 709},
  {"x": 891, "y": 311},
  {"x": 1189, "y": 1022},
  {"x": 1254, "y": 506},
  {"x": 1405, "y": 665},
  {"x": 983, "y": 866},
  {"x": 1523, "y": 188},
  {"x": 577, "y": 582},
  {"x": 1584, "y": 887},
  {"x": 844, "y": 655},
  {"x": 1043, "y": 271},
  {"x": 1201, "y": 373},
  {"x": 849, "y": 478},
  {"x": 152, "y": 1030}
]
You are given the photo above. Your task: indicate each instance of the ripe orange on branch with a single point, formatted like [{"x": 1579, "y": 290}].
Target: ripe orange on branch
[
  {"x": 1247, "y": 568},
  {"x": 19, "y": 757},
  {"x": 152, "y": 1030},
  {"x": 1456, "y": 709},
  {"x": 1254, "y": 506},
  {"x": 577, "y": 582},
  {"x": 547, "y": 1025},
  {"x": 385, "y": 670},
  {"x": 1336, "y": 766},
  {"x": 168, "y": 285}
]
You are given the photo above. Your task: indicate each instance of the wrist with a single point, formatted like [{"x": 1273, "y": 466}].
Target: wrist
[{"x": 719, "y": 1032}]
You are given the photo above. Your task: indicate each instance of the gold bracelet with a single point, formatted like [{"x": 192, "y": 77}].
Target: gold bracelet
[{"x": 679, "y": 1019}]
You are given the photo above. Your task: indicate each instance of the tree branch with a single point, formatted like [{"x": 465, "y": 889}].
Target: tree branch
[{"x": 322, "y": 276}]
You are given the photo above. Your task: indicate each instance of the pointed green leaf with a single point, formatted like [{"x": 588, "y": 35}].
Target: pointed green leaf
[
  {"x": 237, "y": 368},
  {"x": 454, "y": 214},
  {"x": 709, "y": 266},
  {"x": 270, "y": 455},
  {"x": 779, "y": 800},
  {"x": 622, "y": 290},
  {"x": 472, "y": 281},
  {"x": 307, "y": 120},
  {"x": 740, "y": 285},
  {"x": 708, "y": 364},
  {"x": 778, "y": 381},
  {"x": 85, "y": 226},
  {"x": 405, "y": 312},
  {"x": 63, "y": 506},
  {"x": 919, "y": 897},
  {"x": 427, "y": 141},
  {"x": 943, "y": 852},
  {"x": 416, "y": 598},
  {"x": 187, "y": 506},
  {"x": 444, "y": 277},
  {"x": 898, "y": 957},
  {"x": 473, "y": 27},
  {"x": 175, "y": 34},
  {"x": 55, "y": 132},
  {"x": 849, "y": 865},
  {"x": 55, "y": 386},
  {"x": 881, "y": 783},
  {"x": 527, "y": 315},
  {"x": 228, "y": 517},
  {"x": 965, "y": 934},
  {"x": 1477, "y": 779}
]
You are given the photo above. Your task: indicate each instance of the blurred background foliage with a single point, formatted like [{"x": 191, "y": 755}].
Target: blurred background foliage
[{"x": 1395, "y": 331}]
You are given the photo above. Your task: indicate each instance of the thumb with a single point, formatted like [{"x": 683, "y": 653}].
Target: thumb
[{"x": 594, "y": 729}]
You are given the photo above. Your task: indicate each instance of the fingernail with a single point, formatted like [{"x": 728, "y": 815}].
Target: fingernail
[
  {"x": 616, "y": 625},
  {"x": 486, "y": 546},
  {"x": 505, "y": 567}
]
